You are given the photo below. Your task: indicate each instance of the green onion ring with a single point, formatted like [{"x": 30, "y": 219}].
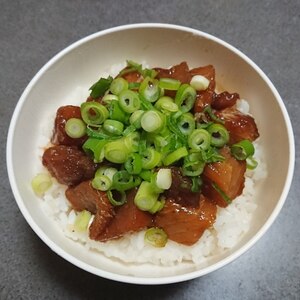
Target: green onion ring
[
  {"x": 242, "y": 150},
  {"x": 93, "y": 113}
]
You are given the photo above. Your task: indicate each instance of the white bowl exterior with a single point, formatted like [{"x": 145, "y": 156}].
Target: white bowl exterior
[{"x": 159, "y": 45}]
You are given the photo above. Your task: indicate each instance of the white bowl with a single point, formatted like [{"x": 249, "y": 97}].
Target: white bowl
[{"x": 159, "y": 45}]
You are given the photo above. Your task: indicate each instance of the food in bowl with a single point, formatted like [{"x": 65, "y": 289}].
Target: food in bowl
[{"x": 156, "y": 166}]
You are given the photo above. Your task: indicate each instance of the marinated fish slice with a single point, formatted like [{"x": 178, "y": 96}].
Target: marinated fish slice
[
  {"x": 185, "y": 225},
  {"x": 103, "y": 217},
  {"x": 180, "y": 190},
  {"x": 205, "y": 97},
  {"x": 83, "y": 197},
  {"x": 128, "y": 218},
  {"x": 180, "y": 72},
  {"x": 228, "y": 176},
  {"x": 132, "y": 76},
  {"x": 63, "y": 114},
  {"x": 68, "y": 164},
  {"x": 224, "y": 100},
  {"x": 239, "y": 125}
]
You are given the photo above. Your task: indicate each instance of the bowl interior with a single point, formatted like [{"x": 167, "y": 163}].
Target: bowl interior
[{"x": 83, "y": 63}]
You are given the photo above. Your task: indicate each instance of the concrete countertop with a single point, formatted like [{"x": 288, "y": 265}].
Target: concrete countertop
[{"x": 31, "y": 32}]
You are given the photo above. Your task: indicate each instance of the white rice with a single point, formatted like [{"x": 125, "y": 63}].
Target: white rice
[{"x": 231, "y": 225}]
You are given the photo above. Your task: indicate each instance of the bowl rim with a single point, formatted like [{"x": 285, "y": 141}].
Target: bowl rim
[{"x": 127, "y": 278}]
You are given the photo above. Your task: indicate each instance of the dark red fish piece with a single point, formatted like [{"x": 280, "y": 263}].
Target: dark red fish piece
[
  {"x": 68, "y": 164},
  {"x": 128, "y": 219},
  {"x": 185, "y": 225},
  {"x": 104, "y": 216},
  {"x": 224, "y": 100},
  {"x": 83, "y": 197},
  {"x": 180, "y": 72},
  {"x": 180, "y": 190},
  {"x": 131, "y": 76},
  {"x": 205, "y": 98},
  {"x": 63, "y": 114},
  {"x": 228, "y": 175},
  {"x": 90, "y": 99},
  {"x": 239, "y": 125}
]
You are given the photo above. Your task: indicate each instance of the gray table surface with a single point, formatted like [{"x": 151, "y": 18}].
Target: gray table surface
[{"x": 31, "y": 32}]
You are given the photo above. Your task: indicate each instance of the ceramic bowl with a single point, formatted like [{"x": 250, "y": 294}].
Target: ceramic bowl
[{"x": 162, "y": 45}]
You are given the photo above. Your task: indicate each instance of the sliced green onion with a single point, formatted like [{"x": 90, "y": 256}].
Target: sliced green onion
[
  {"x": 251, "y": 163},
  {"x": 133, "y": 165},
  {"x": 169, "y": 84},
  {"x": 199, "y": 82},
  {"x": 123, "y": 181},
  {"x": 149, "y": 89},
  {"x": 185, "y": 97},
  {"x": 209, "y": 111},
  {"x": 146, "y": 175},
  {"x": 172, "y": 143},
  {"x": 155, "y": 188},
  {"x": 219, "y": 135},
  {"x": 204, "y": 125},
  {"x": 99, "y": 134},
  {"x": 211, "y": 155},
  {"x": 175, "y": 156},
  {"x": 41, "y": 183},
  {"x": 193, "y": 168},
  {"x": 106, "y": 171},
  {"x": 99, "y": 88},
  {"x": 116, "y": 113},
  {"x": 150, "y": 158},
  {"x": 156, "y": 237},
  {"x": 129, "y": 101},
  {"x": 221, "y": 192},
  {"x": 116, "y": 198},
  {"x": 166, "y": 104},
  {"x": 158, "y": 206},
  {"x": 130, "y": 129},
  {"x": 93, "y": 113},
  {"x": 193, "y": 164},
  {"x": 133, "y": 66},
  {"x": 186, "y": 123},
  {"x": 95, "y": 147},
  {"x": 116, "y": 151},
  {"x": 152, "y": 121},
  {"x": 131, "y": 141},
  {"x": 118, "y": 85},
  {"x": 145, "y": 199},
  {"x": 82, "y": 221},
  {"x": 114, "y": 127},
  {"x": 146, "y": 105},
  {"x": 109, "y": 97},
  {"x": 242, "y": 150},
  {"x": 102, "y": 183},
  {"x": 135, "y": 118},
  {"x": 133, "y": 85},
  {"x": 172, "y": 125},
  {"x": 75, "y": 128},
  {"x": 164, "y": 179},
  {"x": 196, "y": 184},
  {"x": 159, "y": 142},
  {"x": 199, "y": 139}
]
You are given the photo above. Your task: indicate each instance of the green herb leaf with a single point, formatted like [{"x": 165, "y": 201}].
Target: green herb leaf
[{"x": 99, "y": 88}]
